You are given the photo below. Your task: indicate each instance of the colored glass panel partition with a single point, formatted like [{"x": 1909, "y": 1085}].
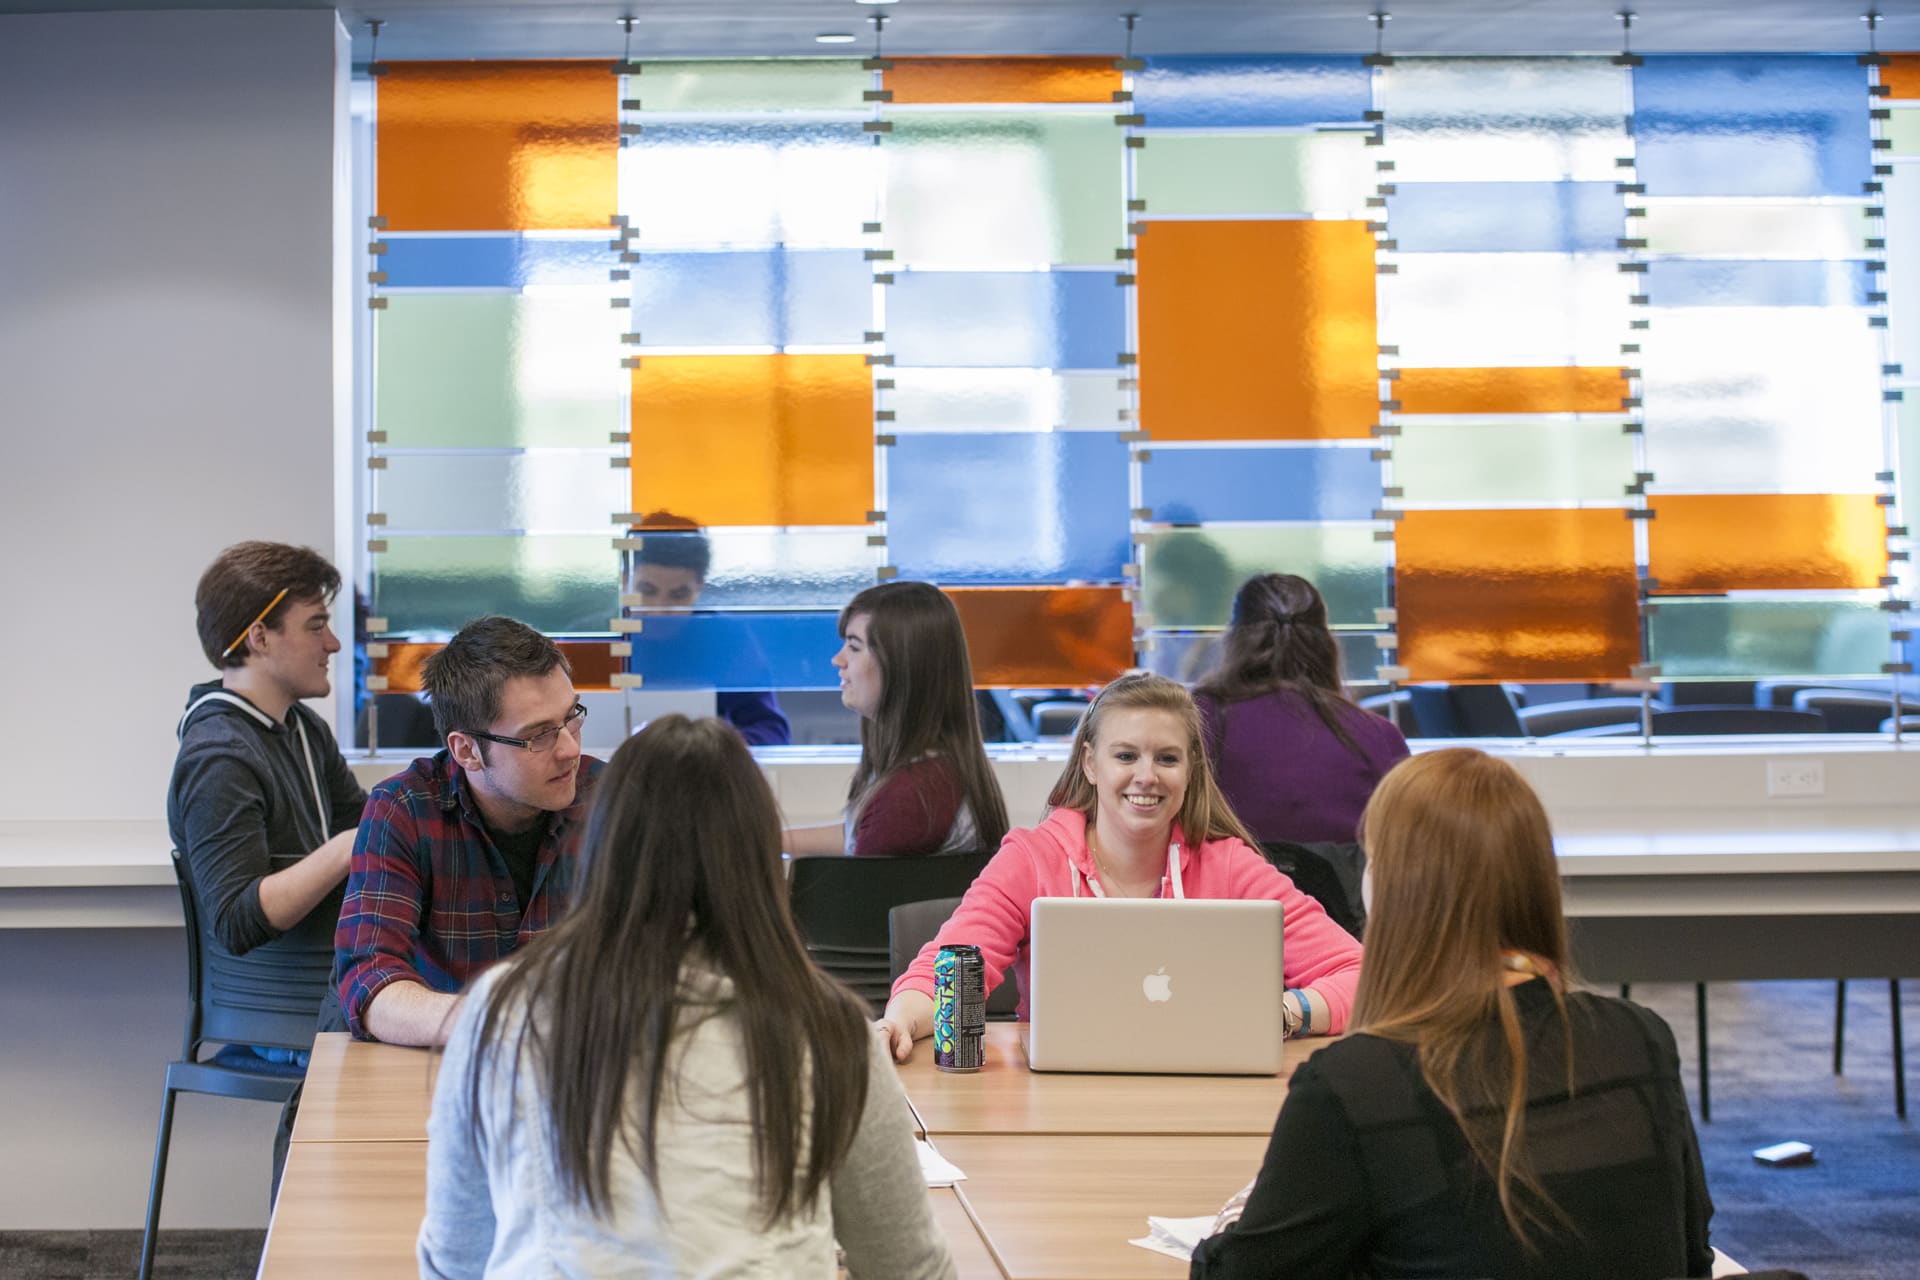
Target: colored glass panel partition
[
  {"x": 1189, "y": 576},
  {"x": 556, "y": 583},
  {"x": 1505, "y": 217},
  {"x": 592, "y": 664},
  {"x": 737, "y": 651},
  {"x": 754, "y": 439},
  {"x": 1467, "y": 309},
  {"x": 767, "y": 568},
  {"x": 547, "y": 491},
  {"x": 1746, "y": 639},
  {"x": 1516, "y": 595},
  {"x": 1254, "y": 174},
  {"x": 751, "y": 84},
  {"x": 1776, "y": 229},
  {"x": 1707, "y": 543},
  {"x": 1504, "y": 119},
  {"x": 508, "y": 261},
  {"x": 1193, "y": 485},
  {"x": 753, "y": 297},
  {"x": 748, "y": 183},
  {"x": 1036, "y": 319},
  {"x": 1004, "y": 399},
  {"x": 1556, "y": 389},
  {"x": 1049, "y": 637},
  {"x": 1238, "y": 91},
  {"x": 971, "y": 80},
  {"x": 1547, "y": 461},
  {"x": 1751, "y": 125},
  {"x": 1257, "y": 330},
  {"x": 497, "y": 146}
]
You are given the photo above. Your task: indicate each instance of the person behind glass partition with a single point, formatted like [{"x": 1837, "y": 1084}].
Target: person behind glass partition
[
  {"x": 1295, "y": 757},
  {"x": 923, "y": 784},
  {"x": 664, "y": 1084},
  {"x": 669, "y": 573},
  {"x": 1485, "y": 1118}
]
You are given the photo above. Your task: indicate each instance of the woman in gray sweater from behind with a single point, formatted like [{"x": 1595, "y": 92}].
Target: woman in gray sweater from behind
[{"x": 663, "y": 1084}]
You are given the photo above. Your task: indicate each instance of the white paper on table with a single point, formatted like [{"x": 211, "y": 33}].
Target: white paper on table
[
  {"x": 1175, "y": 1237},
  {"x": 936, "y": 1168},
  {"x": 1725, "y": 1266}
]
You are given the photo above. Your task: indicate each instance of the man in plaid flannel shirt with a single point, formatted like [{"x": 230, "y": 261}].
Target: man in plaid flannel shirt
[{"x": 467, "y": 854}]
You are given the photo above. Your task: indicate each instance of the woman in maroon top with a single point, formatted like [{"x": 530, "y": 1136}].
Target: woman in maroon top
[
  {"x": 923, "y": 784},
  {"x": 1295, "y": 757}
]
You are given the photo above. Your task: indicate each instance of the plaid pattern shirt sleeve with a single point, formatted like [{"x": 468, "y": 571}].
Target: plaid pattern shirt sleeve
[{"x": 429, "y": 899}]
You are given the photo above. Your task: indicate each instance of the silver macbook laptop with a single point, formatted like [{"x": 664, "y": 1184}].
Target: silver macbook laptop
[{"x": 1190, "y": 986}]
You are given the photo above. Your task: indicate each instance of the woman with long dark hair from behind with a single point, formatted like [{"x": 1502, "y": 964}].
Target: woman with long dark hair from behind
[
  {"x": 1295, "y": 757},
  {"x": 1484, "y": 1118},
  {"x": 663, "y": 1084},
  {"x": 923, "y": 784}
]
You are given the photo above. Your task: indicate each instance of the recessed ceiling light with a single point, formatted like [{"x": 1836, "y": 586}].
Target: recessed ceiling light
[
  {"x": 834, "y": 37},
  {"x": 876, "y": 1}
]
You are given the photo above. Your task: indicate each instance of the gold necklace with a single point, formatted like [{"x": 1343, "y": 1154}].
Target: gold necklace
[{"x": 1100, "y": 864}]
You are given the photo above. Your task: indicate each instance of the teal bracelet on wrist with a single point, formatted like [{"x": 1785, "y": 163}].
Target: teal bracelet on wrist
[{"x": 1306, "y": 1011}]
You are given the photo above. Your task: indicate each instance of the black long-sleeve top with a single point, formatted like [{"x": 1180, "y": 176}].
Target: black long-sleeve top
[{"x": 1369, "y": 1175}]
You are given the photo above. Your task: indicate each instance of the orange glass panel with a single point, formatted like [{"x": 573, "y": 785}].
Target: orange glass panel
[
  {"x": 1258, "y": 330},
  {"x": 1766, "y": 541},
  {"x": 593, "y": 664},
  {"x": 1517, "y": 595},
  {"x": 1557, "y": 389},
  {"x": 498, "y": 146},
  {"x": 1902, "y": 75},
  {"x": 1045, "y": 636},
  {"x": 754, "y": 439},
  {"x": 1002, "y": 80}
]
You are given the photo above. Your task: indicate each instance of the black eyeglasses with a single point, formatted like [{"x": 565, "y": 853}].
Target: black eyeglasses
[{"x": 541, "y": 742}]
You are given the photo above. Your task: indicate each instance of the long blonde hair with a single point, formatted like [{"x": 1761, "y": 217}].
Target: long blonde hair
[
  {"x": 1461, "y": 857},
  {"x": 1204, "y": 813}
]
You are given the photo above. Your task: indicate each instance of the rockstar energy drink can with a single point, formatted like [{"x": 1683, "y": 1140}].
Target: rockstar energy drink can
[{"x": 959, "y": 1009}]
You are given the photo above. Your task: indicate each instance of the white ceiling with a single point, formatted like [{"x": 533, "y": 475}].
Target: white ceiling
[{"x": 681, "y": 28}]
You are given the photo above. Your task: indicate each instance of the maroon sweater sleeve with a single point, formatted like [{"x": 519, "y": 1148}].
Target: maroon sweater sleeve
[{"x": 912, "y": 812}]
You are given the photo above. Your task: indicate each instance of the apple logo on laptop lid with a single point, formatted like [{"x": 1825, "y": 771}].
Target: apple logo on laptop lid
[{"x": 1157, "y": 987}]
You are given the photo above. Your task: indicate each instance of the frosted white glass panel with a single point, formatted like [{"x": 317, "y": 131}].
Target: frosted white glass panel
[
  {"x": 805, "y": 184},
  {"x": 1447, "y": 310},
  {"x": 547, "y": 492},
  {"x": 1762, "y": 399},
  {"x": 1903, "y": 265},
  {"x": 1504, "y": 119},
  {"x": 1756, "y": 229},
  {"x": 1003, "y": 400}
]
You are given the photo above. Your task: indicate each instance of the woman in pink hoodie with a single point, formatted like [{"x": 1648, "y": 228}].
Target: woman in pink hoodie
[{"x": 1135, "y": 814}]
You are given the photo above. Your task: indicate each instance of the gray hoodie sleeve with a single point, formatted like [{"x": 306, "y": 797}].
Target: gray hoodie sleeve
[
  {"x": 880, "y": 1212},
  {"x": 223, "y": 812}
]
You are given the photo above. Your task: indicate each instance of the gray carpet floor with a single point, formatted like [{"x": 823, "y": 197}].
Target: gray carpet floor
[{"x": 1854, "y": 1214}]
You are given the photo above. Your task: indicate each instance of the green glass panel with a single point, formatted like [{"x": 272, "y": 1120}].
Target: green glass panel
[
  {"x": 549, "y": 491},
  {"x": 562, "y": 583},
  {"x": 1904, "y": 130},
  {"x": 1543, "y": 461},
  {"x": 979, "y": 189},
  {"x": 1192, "y": 656},
  {"x": 1757, "y": 229},
  {"x": 1180, "y": 173},
  {"x": 751, "y": 84},
  {"x": 1742, "y": 639},
  {"x": 1190, "y": 575},
  {"x": 498, "y": 370}
]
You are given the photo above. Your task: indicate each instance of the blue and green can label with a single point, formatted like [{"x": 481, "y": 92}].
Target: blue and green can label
[{"x": 959, "y": 1009}]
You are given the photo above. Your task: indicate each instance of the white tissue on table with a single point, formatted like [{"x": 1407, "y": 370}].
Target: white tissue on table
[
  {"x": 936, "y": 1168},
  {"x": 1175, "y": 1237}
]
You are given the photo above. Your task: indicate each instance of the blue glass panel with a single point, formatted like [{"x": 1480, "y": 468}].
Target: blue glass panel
[
  {"x": 764, "y": 297},
  {"x": 1008, "y": 507},
  {"x": 1016, "y": 319},
  {"x": 1190, "y": 486},
  {"x": 1506, "y": 217},
  {"x": 1751, "y": 125},
  {"x": 493, "y": 261},
  {"x": 737, "y": 651},
  {"x": 1234, "y": 90},
  {"x": 1723, "y": 283}
]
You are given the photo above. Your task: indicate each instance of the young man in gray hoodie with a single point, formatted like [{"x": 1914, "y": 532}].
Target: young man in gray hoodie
[{"x": 261, "y": 804}]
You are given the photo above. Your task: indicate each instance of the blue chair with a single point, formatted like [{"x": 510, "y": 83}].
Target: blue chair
[{"x": 270, "y": 997}]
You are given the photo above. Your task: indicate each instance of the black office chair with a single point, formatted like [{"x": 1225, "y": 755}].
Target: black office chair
[
  {"x": 1735, "y": 720},
  {"x": 912, "y": 925},
  {"x": 1328, "y": 872},
  {"x": 1466, "y": 711},
  {"x": 1846, "y": 710},
  {"x": 271, "y": 997},
  {"x": 1581, "y": 713},
  {"x": 841, "y": 906}
]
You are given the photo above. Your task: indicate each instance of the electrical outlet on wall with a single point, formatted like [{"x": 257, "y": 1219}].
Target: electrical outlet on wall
[{"x": 1796, "y": 778}]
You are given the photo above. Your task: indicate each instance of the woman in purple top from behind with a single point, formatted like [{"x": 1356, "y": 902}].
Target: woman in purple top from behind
[{"x": 1295, "y": 757}]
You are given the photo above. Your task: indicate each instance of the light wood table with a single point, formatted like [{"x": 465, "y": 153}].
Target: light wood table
[
  {"x": 1063, "y": 1207},
  {"x": 359, "y": 1091},
  {"x": 1005, "y": 1097},
  {"x": 347, "y": 1209}
]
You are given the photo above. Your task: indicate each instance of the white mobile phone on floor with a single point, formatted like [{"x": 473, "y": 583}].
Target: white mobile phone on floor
[{"x": 1785, "y": 1153}]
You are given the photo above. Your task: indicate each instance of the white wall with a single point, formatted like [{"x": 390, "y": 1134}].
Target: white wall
[
  {"x": 167, "y": 365},
  {"x": 168, "y": 238}
]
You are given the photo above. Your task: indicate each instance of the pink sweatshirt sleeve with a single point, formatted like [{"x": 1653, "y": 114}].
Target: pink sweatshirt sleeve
[
  {"x": 993, "y": 915},
  {"x": 1318, "y": 952}
]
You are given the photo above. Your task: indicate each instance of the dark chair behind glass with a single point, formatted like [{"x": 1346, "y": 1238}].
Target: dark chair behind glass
[
  {"x": 911, "y": 926},
  {"x": 841, "y": 906},
  {"x": 1328, "y": 872},
  {"x": 269, "y": 997}
]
